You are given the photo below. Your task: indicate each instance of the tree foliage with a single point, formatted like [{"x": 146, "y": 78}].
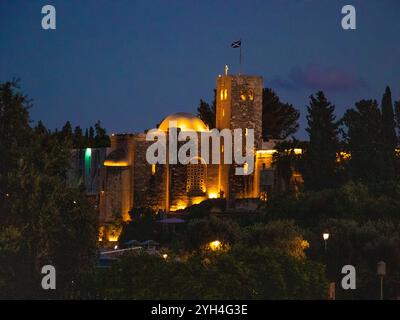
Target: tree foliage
[
  {"x": 287, "y": 162},
  {"x": 364, "y": 140},
  {"x": 279, "y": 120},
  {"x": 207, "y": 112},
  {"x": 242, "y": 273},
  {"x": 389, "y": 138},
  {"x": 202, "y": 231},
  {"x": 42, "y": 220},
  {"x": 320, "y": 157},
  {"x": 281, "y": 235}
]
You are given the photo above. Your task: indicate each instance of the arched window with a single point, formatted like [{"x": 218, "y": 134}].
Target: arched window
[
  {"x": 196, "y": 178},
  {"x": 223, "y": 95}
]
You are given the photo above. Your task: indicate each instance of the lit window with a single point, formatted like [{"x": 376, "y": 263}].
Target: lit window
[
  {"x": 263, "y": 196},
  {"x": 242, "y": 96},
  {"x": 225, "y": 94},
  {"x": 251, "y": 95},
  {"x": 153, "y": 169},
  {"x": 221, "y": 95},
  {"x": 223, "y": 112}
]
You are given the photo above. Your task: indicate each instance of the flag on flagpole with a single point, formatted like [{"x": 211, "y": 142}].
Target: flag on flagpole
[{"x": 236, "y": 44}]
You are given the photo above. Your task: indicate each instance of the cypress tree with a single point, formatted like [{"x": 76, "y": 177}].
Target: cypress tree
[
  {"x": 389, "y": 139},
  {"x": 364, "y": 140},
  {"x": 320, "y": 164}
]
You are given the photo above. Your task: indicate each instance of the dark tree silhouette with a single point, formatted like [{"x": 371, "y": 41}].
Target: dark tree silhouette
[
  {"x": 389, "y": 138},
  {"x": 279, "y": 120},
  {"x": 364, "y": 140},
  {"x": 320, "y": 157},
  {"x": 207, "y": 113}
]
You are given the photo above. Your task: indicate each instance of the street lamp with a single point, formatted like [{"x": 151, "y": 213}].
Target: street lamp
[
  {"x": 381, "y": 271},
  {"x": 325, "y": 236}
]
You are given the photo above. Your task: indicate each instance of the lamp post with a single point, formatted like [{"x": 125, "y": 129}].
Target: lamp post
[
  {"x": 325, "y": 236},
  {"x": 381, "y": 271},
  {"x": 331, "y": 294}
]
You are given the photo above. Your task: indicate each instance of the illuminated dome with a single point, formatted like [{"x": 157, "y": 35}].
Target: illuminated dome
[{"x": 185, "y": 122}]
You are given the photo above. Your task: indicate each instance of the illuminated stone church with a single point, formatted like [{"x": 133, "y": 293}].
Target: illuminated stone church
[{"x": 128, "y": 181}]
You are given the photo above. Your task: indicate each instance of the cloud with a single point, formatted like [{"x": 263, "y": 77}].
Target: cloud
[{"x": 316, "y": 77}]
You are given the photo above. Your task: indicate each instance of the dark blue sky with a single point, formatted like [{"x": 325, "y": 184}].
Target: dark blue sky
[{"x": 131, "y": 63}]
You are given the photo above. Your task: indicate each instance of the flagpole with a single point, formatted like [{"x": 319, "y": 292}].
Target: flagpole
[{"x": 240, "y": 56}]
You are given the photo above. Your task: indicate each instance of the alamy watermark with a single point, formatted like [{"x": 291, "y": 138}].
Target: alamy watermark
[
  {"x": 49, "y": 20},
  {"x": 49, "y": 280},
  {"x": 348, "y": 22},
  {"x": 234, "y": 150}
]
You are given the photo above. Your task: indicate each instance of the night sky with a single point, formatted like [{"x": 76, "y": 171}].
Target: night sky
[{"x": 131, "y": 63}]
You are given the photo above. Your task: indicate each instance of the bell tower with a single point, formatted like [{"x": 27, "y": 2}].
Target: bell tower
[{"x": 239, "y": 106}]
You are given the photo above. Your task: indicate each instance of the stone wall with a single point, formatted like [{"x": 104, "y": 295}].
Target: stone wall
[
  {"x": 246, "y": 105},
  {"x": 239, "y": 108},
  {"x": 149, "y": 188}
]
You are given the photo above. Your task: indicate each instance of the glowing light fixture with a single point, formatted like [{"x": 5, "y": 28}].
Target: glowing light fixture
[
  {"x": 88, "y": 161},
  {"x": 264, "y": 152},
  {"x": 109, "y": 163},
  {"x": 113, "y": 238},
  {"x": 325, "y": 236},
  {"x": 296, "y": 151},
  {"x": 88, "y": 153},
  {"x": 215, "y": 245}
]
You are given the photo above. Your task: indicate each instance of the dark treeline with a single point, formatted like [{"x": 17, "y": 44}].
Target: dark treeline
[
  {"x": 365, "y": 138},
  {"x": 360, "y": 147},
  {"x": 94, "y": 137}
]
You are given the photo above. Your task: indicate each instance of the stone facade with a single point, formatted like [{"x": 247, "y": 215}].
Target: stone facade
[
  {"x": 131, "y": 182},
  {"x": 239, "y": 106}
]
